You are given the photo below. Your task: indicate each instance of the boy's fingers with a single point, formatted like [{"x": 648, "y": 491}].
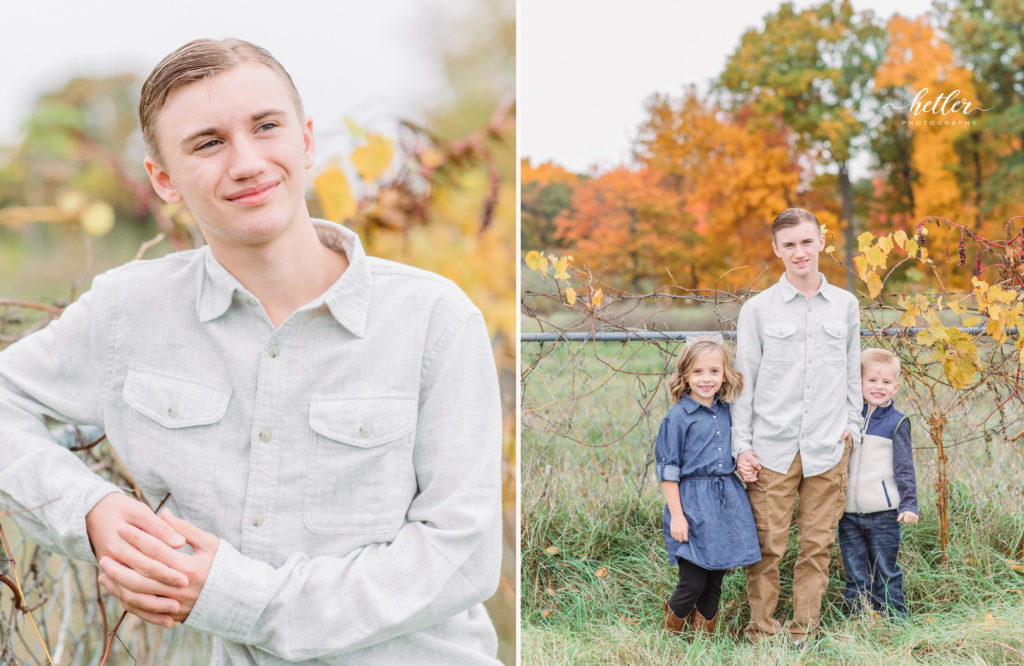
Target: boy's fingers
[{"x": 151, "y": 524}]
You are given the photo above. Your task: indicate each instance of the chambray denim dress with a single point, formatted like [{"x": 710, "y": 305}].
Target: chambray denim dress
[{"x": 694, "y": 449}]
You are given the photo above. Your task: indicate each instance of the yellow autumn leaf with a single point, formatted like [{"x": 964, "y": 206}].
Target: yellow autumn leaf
[
  {"x": 900, "y": 237},
  {"x": 874, "y": 257},
  {"x": 431, "y": 158},
  {"x": 601, "y": 572},
  {"x": 334, "y": 194},
  {"x": 956, "y": 307},
  {"x": 98, "y": 218},
  {"x": 355, "y": 130},
  {"x": 874, "y": 285},
  {"x": 597, "y": 298},
  {"x": 961, "y": 359},
  {"x": 830, "y": 249},
  {"x": 372, "y": 159},
  {"x": 864, "y": 240},
  {"x": 570, "y": 296},
  {"x": 532, "y": 260},
  {"x": 861, "y": 264},
  {"x": 560, "y": 269},
  {"x": 911, "y": 247},
  {"x": 972, "y": 321},
  {"x": 73, "y": 202},
  {"x": 885, "y": 244},
  {"x": 552, "y": 550}
]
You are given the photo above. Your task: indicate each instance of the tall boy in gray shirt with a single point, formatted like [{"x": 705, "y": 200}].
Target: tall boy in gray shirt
[
  {"x": 798, "y": 347},
  {"x": 326, "y": 424}
]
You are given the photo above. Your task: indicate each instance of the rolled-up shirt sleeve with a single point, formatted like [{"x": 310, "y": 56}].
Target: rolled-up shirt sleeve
[
  {"x": 442, "y": 561},
  {"x": 58, "y": 373},
  {"x": 668, "y": 450}
]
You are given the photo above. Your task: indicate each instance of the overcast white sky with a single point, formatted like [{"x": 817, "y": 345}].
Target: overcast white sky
[
  {"x": 586, "y": 67},
  {"x": 371, "y": 61}
]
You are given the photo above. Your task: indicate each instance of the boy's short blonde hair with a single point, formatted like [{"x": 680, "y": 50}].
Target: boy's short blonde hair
[{"x": 880, "y": 356}]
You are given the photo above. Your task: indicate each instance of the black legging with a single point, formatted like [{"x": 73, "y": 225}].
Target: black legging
[{"x": 697, "y": 586}]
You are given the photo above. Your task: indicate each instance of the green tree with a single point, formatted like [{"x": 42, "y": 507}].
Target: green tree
[
  {"x": 988, "y": 38},
  {"x": 812, "y": 70}
]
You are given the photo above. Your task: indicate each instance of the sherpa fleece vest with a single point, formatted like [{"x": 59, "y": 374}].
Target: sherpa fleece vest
[{"x": 872, "y": 484}]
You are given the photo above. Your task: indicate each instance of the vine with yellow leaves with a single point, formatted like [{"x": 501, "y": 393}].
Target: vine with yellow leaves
[{"x": 956, "y": 347}]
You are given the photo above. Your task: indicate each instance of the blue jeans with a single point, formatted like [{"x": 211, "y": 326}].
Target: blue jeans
[{"x": 869, "y": 543}]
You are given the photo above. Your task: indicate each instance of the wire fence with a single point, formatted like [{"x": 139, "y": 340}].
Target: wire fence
[
  {"x": 75, "y": 617},
  {"x": 592, "y": 405}
]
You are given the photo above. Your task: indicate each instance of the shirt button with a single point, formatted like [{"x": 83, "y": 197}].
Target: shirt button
[
  {"x": 273, "y": 351},
  {"x": 715, "y": 416},
  {"x": 257, "y": 521},
  {"x": 365, "y": 431},
  {"x": 249, "y": 301},
  {"x": 172, "y": 412},
  {"x": 265, "y": 435}
]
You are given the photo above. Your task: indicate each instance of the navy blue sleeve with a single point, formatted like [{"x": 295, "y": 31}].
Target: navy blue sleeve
[
  {"x": 903, "y": 467},
  {"x": 667, "y": 450}
]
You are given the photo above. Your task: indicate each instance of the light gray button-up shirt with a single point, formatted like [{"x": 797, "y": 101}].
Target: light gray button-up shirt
[
  {"x": 348, "y": 460},
  {"x": 800, "y": 360}
]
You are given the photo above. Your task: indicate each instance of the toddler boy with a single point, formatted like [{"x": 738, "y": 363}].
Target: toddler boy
[{"x": 882, "y": 492}]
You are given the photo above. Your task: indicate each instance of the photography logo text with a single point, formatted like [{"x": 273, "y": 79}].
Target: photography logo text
[{"x": 944, "y": 108}]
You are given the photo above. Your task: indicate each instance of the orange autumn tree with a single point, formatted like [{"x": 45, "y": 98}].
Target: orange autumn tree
[
  {"x": 545, "y": 191},
  {"x": 733, "y": 179},
  {"x": 632, "y": 228}
]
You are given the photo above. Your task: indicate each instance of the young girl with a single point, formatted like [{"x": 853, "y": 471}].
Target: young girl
[{"x": 708, "y": 524}]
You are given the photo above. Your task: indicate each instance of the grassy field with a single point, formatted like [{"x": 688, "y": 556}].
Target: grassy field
[{"x": 594, "y": 570}]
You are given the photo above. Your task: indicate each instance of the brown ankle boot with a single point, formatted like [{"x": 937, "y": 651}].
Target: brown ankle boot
[
  {"x": 702, "y": 625},
  {"x": 672, "y": 622}
]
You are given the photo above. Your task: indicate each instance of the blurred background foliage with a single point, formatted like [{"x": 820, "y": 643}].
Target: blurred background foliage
[
  {"x": 805, "y": 96},
  {"x": 438, "y": 194}
]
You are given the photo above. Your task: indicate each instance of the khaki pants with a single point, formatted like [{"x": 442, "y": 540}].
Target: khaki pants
[{"x": 822, "y": 501}]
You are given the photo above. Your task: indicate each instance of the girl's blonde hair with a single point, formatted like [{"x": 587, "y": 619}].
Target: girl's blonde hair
[{"x": 732, "y": 381}]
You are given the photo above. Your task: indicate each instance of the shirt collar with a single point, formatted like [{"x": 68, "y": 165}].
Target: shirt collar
[
  {"x": 789, "y": 292},
  {"x": 348, "y": 299},
  {"x": 871, "y": 410},
  {"x": 691, "y": 405}
]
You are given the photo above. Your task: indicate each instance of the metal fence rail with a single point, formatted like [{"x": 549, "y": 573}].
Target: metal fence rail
[{"x": 592, "y": 403}]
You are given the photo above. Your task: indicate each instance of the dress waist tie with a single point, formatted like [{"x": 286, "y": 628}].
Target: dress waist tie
[{"x": 717, "y": 479}]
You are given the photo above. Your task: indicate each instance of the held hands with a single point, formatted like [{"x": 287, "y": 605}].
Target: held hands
[
  {"x": 907, "y": 517},
  {"x": 139, "y": 563},
  {"x": 747, "y": 465},
  {"x": 679, "y": 528}
]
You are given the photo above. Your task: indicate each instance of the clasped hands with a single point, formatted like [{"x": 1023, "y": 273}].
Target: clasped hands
[
  {"x": 139, "y": 560},
  {"x": 747, "y": 465}
]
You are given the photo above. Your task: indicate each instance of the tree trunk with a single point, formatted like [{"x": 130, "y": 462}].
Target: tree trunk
[{"x": 846, "y": 188}]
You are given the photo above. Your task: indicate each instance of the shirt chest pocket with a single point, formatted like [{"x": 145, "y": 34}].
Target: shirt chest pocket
[
  {"x": 360, "y": 471},
  {"x": 832, "y": 342},
  {"x": 173, "y": 430},
  {"x": 781, "y": 343}
]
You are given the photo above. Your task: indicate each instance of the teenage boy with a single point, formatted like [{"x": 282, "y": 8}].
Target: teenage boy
[
  {"x": 798, "y": 348},
  {"x": 882, "y": 493},
  {"x": 328, "y": 423}
]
